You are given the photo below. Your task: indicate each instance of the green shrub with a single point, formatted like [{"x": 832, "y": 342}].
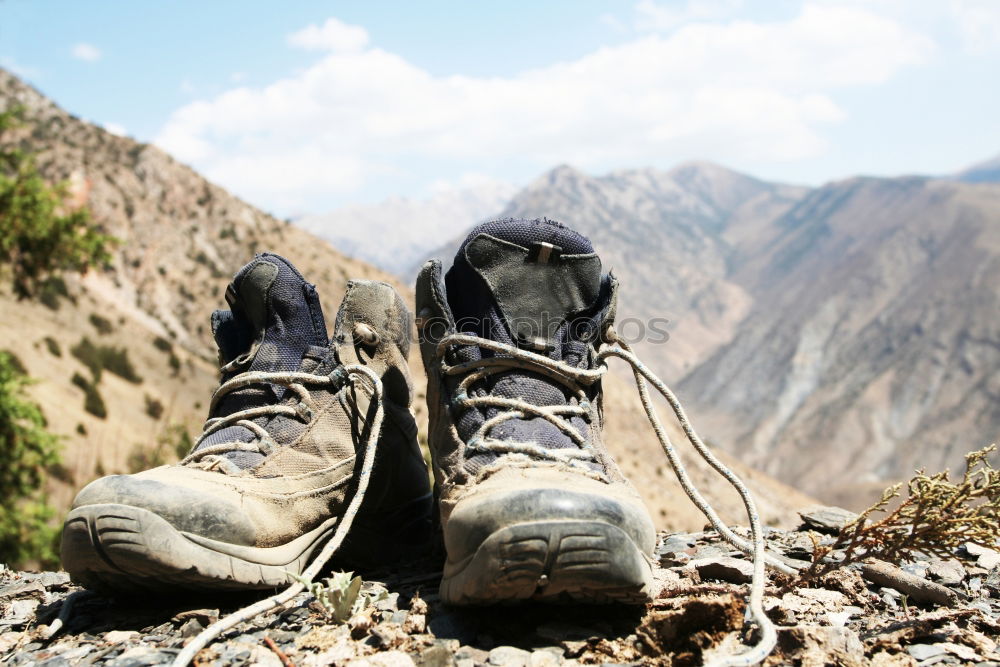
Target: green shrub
[
  {"x": 88, "y": 355},
  {"x": 172, "y": 444},
  {"x": 936, "y": 518},
  {"x": 53, "y": 346},
  {"x": 94, "y": 404},
  {"x": 14, "y": 362},
  {"x": 59, "y": 471},
  {"x": 167, "y": 347},
  {"x": 143, "y": 457},
  {"x": 116, "y": 361},
  {"x": 203, "y": 259},
  {"x": 103, "y": 326},
  {"x": 51, "y": 290},
  {"x": 105, "y": 357},
  {"x": 92, "y": 401},
  {"x": 181, "y": 441},
  {"x": 27, "y": 450},
  {"x": 162, "y": 344},
  {"x": 154, "y": 408},
  {"x": 38, "y": 237},
  {"x": 80, "y": 381}
]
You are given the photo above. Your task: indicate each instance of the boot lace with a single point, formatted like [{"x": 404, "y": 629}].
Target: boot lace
[
  {"x": 213, "y": 457},
  {"x": 516, "y": 408},
  {"x": 576, "y": 379},
  {"x": 349, "y": 374}
]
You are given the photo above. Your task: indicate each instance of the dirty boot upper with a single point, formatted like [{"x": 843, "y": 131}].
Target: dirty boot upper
[{"x": 513, "y": 444}]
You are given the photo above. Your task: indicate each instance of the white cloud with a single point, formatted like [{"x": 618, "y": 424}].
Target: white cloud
[
  {"x": 651, "y": 15},
  {"x": 613, "y": 23},
  {"x": 471, "y": 180},
  {"x": 333, "y": 35},
  {"x": 187, "y": 88},
  {"x": 733, "y": 92},
  {"x": 86, "y": 52},
  {"x": 115, "y": 128},
  {"x": 978, "y": 23}
]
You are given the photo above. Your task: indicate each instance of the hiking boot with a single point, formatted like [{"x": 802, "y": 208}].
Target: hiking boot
[
  {"x": 531, "y": 504},
  {"x": 269, "y": 479}
]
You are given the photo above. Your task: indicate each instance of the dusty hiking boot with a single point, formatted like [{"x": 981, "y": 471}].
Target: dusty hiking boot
[
  {"x": 531, "y": 503},
  {"x": 269, "y": 479}
]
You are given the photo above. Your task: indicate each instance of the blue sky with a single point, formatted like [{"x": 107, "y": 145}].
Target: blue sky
[{"x": 304, "y": 107}]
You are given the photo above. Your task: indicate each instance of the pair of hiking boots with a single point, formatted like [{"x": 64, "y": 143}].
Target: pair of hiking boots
[{"x": 307, "y": 435}]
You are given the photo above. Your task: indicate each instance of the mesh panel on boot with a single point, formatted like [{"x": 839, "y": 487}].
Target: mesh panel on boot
[
  {"x": 294, "y": 328},
  {"x": 477, "y": 313}
]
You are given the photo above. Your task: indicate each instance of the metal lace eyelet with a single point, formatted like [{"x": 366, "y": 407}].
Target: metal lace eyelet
[
  {"x": 338, "y": 376},
  {"x": 365, "y": 335}
]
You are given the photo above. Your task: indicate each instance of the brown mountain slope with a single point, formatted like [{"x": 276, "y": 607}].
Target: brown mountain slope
[
  {"x": 182, "y": 238},
  {"x": 873, "y": 346}
]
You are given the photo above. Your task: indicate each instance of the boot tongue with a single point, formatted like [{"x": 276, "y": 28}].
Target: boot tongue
[
  {"x": 275, "y": 319},
  {"x": 527, "y": 283},
  {"x": 521, "y": 281}
]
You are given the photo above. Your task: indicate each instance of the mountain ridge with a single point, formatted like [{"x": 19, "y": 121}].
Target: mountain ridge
[
  {"x": 987, "y": 171},
  {"x": 402, "y": 226},
  {"x": 887, "y": 295}
]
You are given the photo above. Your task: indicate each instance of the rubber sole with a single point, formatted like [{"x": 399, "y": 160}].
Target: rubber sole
[
  {"x": 120, "y": 549},
  {"x": 551, "y": 561},
  {"x": 123, "y": 549}
]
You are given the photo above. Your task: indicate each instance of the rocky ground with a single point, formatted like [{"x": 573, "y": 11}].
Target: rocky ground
[{"x": 928, "y": 611}]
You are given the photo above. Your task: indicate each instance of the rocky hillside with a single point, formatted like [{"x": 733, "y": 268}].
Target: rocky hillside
[
  {"x": 873, "y": 346},
  {"x": 836, "y": 337},
  {"x": 181, "y": 240}
]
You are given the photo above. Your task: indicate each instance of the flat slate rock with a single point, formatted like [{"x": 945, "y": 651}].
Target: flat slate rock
[
  {"x": 827, "y": 519},
  {"x": 724, "y": 568}
]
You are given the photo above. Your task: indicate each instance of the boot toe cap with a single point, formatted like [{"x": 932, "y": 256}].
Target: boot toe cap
[
  {"x": 475, "y": 519},
  {"x": 186, "y": 509}
]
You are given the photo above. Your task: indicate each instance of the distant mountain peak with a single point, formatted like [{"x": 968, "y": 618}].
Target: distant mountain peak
[
  {"x": 563, "y": 173},
  {"x": 982, "y": 172},
  {"x": 375, "y": 234},
  {"x": 704, "y": 167}
]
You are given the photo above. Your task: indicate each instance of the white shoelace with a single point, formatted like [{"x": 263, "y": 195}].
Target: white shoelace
[
  {"x": 213, "y": 457},
  {"x": 574, "y": 379},
  {"x": 214, "y": 630}
]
